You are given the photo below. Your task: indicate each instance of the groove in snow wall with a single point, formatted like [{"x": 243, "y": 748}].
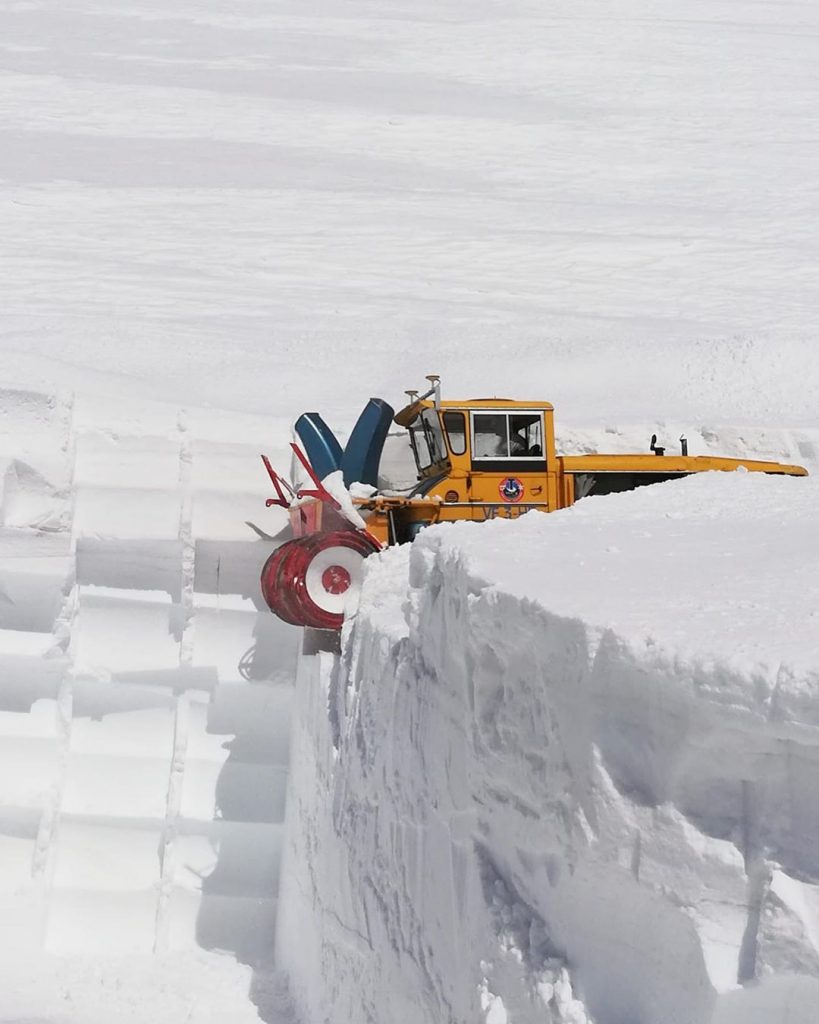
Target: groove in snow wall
[{"x": 497, "y": 812}]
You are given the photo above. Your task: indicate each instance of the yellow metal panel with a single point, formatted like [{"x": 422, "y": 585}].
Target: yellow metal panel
[{"x": 670, "y": 464}]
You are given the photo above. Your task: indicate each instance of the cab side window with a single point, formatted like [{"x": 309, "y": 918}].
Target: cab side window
[
  {"x": 497, "y": 436},
  {"x": 490, "y": 436},
  {"x": 455, "y": 427},
  {"x": 526, "y": 435}
]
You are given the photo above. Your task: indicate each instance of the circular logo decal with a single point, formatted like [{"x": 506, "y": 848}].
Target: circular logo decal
[{"x": 511, "y": 489}]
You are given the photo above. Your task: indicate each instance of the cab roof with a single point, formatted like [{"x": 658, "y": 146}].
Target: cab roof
[
  {"x": 485, "y": 403},
  {"x": 406, "y": 415}
]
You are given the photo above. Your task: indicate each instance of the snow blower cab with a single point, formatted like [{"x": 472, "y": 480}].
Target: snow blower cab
[{"x": 475, "y": 459}]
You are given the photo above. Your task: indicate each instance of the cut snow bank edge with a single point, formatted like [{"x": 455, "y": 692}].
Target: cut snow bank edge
[{"x": 496, "y": 808}]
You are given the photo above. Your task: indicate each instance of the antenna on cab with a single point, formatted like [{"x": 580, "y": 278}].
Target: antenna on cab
[{"x": 435, "y": 381}]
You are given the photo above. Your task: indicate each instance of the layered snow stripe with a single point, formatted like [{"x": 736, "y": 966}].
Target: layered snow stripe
[{"x": 146, "y": 697}]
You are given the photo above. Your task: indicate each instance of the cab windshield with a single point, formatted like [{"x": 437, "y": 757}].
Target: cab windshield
[{"x": 427, "y": 440}]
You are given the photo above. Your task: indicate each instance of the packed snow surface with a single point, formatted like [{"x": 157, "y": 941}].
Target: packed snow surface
[
  {"x": 565, "y": 770},
  {"x": 718, "y": 566}
]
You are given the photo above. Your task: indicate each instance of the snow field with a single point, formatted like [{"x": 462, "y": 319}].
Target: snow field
[
  {"x": 607, "y": 206},
  {"x": 146, "y": 697},
  {"x": 509, "y": 795}
]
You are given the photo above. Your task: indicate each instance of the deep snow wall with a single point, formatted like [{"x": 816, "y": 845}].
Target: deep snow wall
[
  {"x": 144, "y": 705},
  {"x": 495, "y": 808}
]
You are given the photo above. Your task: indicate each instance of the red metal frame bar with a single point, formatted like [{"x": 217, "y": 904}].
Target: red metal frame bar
[
  {"x": 373, "y": 540},
  {"x": 320, "y": 491},
  {"x": 277, "y": 482}
]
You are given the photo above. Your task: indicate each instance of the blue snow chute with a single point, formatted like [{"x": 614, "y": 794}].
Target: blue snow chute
[
  {"x": 321, "y": 447},
  {"x": 362, "y": 455}
]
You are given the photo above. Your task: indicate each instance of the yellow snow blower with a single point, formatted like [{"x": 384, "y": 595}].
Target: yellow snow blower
[{"x": 476, "y": 459}]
